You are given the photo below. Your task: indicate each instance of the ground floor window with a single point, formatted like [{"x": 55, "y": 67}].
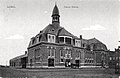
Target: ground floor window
[
  {"x": 61, "y": 60},
  {"x": 51, "y": 62}
]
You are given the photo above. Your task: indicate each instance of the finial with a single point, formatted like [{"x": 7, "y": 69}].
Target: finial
[{"x": 55, "y": 3}]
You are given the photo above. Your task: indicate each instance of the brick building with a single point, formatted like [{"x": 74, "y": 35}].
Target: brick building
[
  {"x": 114, "y": 60},
  {"x": 19, "y": 61},
  {"x": 54, "y": 46}
]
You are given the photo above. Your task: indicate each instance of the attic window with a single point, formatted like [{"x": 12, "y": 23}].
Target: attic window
[
  {"x": 52, "y": 30},
  {"x": 40, "y": 31},
  {"x": 33, "y": 41},
  {"x": 83, "y": 45},
  {"x": 40, "y": 37}
]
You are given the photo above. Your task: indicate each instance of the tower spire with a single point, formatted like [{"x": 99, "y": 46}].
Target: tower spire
[{"x": 55, "y": 14}]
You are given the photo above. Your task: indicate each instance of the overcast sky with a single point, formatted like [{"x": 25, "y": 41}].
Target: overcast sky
[{"x": 22, "y": 19}]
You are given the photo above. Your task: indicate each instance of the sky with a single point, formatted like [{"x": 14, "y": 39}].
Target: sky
[{"x": 20, "y": 20}]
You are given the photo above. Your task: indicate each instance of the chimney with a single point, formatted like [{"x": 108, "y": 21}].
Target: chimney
[{"x": 80, "y": 36}]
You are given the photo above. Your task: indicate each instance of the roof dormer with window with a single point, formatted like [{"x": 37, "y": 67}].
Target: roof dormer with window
[
  {"x": 77, "y": 43},
  {"x": 51, "y": 38}
]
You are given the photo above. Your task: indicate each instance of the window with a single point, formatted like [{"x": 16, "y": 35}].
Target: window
[
  {"x": 40, "y": 37},
  {"x": 73, "y": 41},
  {"x": 68, "y": 54},
  {"x": 61, "y": 39},
  {"x": 61, "y": 56},
  {"x": 33, "y": 40},
  {"x": 77, "y": 43},
  {"x": 88, "y": 47},
  {"x": 51, "y": 38},
  {"x": 61, "y": 53},
  {"x": 113, "y": 58},
  {"x": 51, "y": 52},
  {"x": 78, "y": 54},
  {"x": 83, "y": 45},
  {"x": 37, "y": 55},
  {"x": 68, "y": 40},
  {"x": 61, "y": 60},
  {"x": 117, "y": 63},
  {"x": 30, "y": 62},
  {"x": 52, "y": 30},
  {"x": 110, "y": 58}
]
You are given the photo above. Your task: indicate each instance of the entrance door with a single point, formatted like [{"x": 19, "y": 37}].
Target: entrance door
[
  {"x": 23, "y": 62},
  {"x": 51, "y": 62},
  {"x": 67, "y": 63},
  {"x": 77, "y": 63}
]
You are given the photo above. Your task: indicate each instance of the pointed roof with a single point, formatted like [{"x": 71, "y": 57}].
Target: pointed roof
[
  {"x": 51, "y": 29},
  {"x": 94, "y": 40},
  {"x": 99, "y": 44},
  {"x": 64, "y": 32},
  {"x": 19, "y": 57},
  {"x": 55, "y": 10}
]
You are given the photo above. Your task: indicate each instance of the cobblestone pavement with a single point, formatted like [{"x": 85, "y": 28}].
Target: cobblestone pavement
[{"x": 57, "y": 73}]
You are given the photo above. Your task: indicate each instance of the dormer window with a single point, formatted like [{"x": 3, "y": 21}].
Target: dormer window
[
  {"x": 52, "y": 29},
  {"x": 33, "y": 40},
  {"x": 88, "y": 47},
  {"x": 51, "y": 38},
  {"x": 65, "y": 39},
  {"x": 40, "y": 37},
  {"x": 68, "y": 40},
  {"x": 83, "y": 45},
  {"x": 61, "y": 39},
  {"x": 77, "y": 43}
]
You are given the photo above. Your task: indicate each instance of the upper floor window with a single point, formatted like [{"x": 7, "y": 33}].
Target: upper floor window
[
  {"x": 40, "y": 37},
  {"x": 88, "y": 47},
  {"x": 68, "y": 40},
  {"x": 61, "y": 53},
  {"x": 51, "y": 38},
  {"x": 37, "y": 55},
  {"x": 110, "y": 58},
  {"x": 61, "y": 39},
  {"x": 84, "y": 45},
  {"x": 33, "y": 40},
  {"x": 51, "y": 52},
  {"x": 77, "y": 43}
]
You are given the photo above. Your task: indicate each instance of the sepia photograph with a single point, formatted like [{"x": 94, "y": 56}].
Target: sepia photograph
[{"x": 59, "y": 39}]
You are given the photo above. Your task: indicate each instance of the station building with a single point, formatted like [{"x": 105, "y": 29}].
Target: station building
[
  {"x": 114, "y": 60},
  {"x": 54, "y": 46}
]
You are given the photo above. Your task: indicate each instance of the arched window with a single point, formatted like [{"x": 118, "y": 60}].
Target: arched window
[
  {"x": 40, "y": 37},
  {"x": 88, "y": 47},
  {"x": 94, "y": 47}
]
